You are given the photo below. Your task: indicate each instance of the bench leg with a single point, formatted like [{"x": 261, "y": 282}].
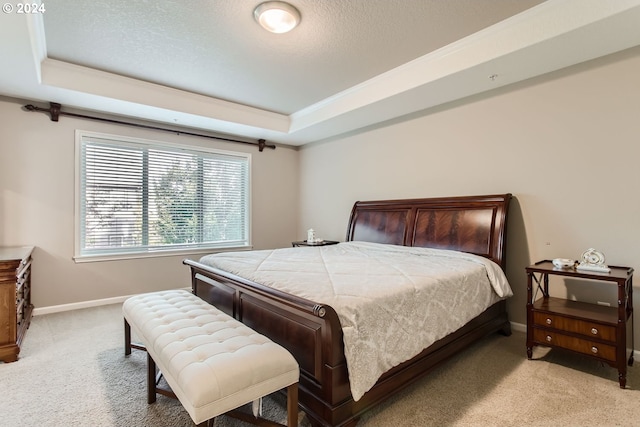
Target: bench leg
[
  {"x": 151, "y": 379},
  {"x": 127, "y": 340},
  {"x": 292, "y": 412},
  {"x": 292, "y": 405}
]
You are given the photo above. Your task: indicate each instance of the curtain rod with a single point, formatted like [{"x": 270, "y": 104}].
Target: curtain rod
[{"x": 55, "y": 112}]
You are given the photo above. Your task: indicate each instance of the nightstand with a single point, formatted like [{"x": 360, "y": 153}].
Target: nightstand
[
  {"x": 598, "y": 331},
  {"x": 322, "y": 243}
]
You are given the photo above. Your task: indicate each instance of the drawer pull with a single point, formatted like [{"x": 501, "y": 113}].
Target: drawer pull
[
  {"x": 548, "y": 321},
  {"x": 594, "y": 331},
  {"x": 548, "y": 338},
  {"x": 594, "y": 350}
]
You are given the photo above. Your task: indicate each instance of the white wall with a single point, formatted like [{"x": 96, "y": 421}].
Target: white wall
[
  {"x": 37, "y": 207},
  {"x": 566, "y": 145}
]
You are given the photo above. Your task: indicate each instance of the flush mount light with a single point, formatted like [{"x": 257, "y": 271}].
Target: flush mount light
[{"x": 277, "y": 16}]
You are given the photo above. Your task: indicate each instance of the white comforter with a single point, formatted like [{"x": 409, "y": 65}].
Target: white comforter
[{"x": 392, "y": 301}]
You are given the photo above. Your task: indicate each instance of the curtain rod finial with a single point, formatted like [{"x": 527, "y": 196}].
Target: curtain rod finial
[{"x": 54, "y": 111}]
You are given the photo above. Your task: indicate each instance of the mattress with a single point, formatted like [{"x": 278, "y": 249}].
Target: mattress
[{"x": 392, "y": 301}]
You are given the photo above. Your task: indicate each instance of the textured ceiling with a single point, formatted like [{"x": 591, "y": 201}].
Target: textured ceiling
[
  {"x": 350, "y": 64},
  {"x": 215, "y": 47}
]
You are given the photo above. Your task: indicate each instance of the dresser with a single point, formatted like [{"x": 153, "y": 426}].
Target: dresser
[
  {"x": 15, "y": 299},
  {"x": 599, "y": 331}
]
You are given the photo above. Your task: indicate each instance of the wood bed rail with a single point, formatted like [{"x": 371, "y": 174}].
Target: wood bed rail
[{"x": 313, "y": 308}]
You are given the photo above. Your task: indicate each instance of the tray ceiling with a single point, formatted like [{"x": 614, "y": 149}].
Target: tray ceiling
[{"x": 348, "y": 65}]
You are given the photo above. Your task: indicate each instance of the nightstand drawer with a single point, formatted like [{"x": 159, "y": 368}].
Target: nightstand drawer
[
  {"x": 546, "y": 337},
  {"x": 582, "y": 327}
]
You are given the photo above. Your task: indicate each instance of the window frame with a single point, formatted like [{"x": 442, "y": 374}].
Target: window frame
[{"x": 149, "y": 252}]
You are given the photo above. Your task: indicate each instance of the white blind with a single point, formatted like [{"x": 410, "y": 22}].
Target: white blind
[{"x": 142, "y": 197}]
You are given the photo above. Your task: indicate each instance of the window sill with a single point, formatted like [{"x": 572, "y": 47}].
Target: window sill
[{"x": 159, "y": 254}]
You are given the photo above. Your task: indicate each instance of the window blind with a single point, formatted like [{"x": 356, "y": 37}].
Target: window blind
[{"x": 146, "y": 197}]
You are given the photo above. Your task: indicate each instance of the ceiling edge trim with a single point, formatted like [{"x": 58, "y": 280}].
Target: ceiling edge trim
[
  {"x": 74, "y": 77},
  {"x": 541, "y": 23},
  {"x": 35, "y": 27}
]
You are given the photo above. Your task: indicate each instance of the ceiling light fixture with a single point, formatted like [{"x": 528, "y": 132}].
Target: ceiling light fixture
[{"x": 277, "y": 16}]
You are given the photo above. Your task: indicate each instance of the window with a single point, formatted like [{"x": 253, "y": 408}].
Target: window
[{"x": 143, "y": 197}]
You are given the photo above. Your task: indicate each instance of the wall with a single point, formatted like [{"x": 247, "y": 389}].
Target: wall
[
  {"x": 37, "y": 207},
  {"x": 566, "y": 145}
]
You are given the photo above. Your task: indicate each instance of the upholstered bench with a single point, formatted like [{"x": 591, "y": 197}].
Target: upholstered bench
[{"x": 212, "y": 362}]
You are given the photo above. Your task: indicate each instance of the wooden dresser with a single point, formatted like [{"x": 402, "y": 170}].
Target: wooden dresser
[
  {"x": 602, "y": 332},
  {"x": 15, "y": 299}
]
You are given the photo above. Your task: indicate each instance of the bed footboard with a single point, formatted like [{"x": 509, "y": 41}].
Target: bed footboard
[{"x": 310, "y": 331}]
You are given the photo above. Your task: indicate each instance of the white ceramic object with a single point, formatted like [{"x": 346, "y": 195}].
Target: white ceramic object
[{"x": 563, "y": 262}]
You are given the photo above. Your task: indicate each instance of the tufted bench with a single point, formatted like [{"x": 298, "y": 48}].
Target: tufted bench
[{"x": 212, "y": 362}]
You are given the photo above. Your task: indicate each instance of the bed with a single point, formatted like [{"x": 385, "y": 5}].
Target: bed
[{"x": 312, "y": 330}]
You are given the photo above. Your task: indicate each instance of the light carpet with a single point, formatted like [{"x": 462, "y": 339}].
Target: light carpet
[{"x": 72, "y": 372}]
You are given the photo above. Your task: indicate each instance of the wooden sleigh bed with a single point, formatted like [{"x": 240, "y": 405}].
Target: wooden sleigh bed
[{"x": 311, "y": 330}]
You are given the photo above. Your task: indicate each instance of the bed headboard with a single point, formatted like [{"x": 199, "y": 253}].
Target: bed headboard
[{"x": 474, "y": 224}]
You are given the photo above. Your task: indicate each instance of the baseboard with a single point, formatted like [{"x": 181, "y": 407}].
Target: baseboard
[
  {"x": 83, "y": 304},
  {"x": 519, "y": 327}
]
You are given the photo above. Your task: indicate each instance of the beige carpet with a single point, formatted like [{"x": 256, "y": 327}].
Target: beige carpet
[{"x": 72, "y": 372}]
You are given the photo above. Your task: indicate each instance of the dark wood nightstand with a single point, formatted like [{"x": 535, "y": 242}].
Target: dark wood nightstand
[
  {"x": 598, "y": 331},
  {"x": 322, "y": 243}
]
